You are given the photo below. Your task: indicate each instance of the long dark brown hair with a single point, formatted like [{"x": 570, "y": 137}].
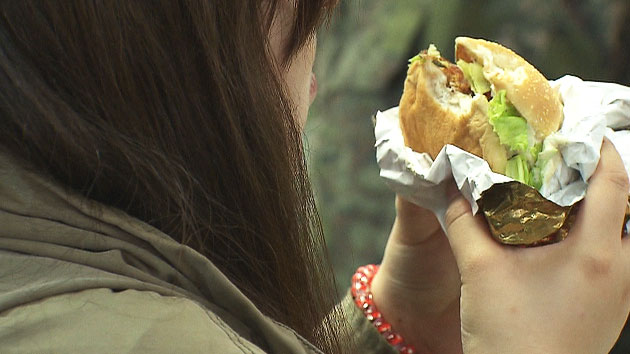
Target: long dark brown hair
[{"x": 172, "y": 111}]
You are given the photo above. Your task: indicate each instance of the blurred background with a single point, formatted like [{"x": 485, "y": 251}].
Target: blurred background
[{"x": 361, "y": 67}]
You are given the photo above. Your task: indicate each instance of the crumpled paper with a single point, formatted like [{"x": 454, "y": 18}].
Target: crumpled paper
[{"x": 592, "y": 110}]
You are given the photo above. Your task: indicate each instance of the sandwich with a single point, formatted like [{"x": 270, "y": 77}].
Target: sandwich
[{"x": 491, "y": 103}]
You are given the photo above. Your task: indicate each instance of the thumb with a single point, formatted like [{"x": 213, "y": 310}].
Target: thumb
[{"x": 468, "y": 235}]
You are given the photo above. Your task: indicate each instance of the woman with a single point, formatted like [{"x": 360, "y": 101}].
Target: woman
[{"x": 155, "y": 199}]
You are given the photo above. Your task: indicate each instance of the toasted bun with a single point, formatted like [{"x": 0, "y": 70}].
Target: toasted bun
[
  {"x": 433, "y": 114},
  {"x": 525, "y": 87}
]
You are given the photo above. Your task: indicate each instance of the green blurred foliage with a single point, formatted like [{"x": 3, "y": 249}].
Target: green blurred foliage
[{"x": 361, "y": 66}]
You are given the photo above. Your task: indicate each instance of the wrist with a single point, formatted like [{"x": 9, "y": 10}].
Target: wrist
[
  {"x": 363, "y": 297},
  {"x": 428, "y": 317}
]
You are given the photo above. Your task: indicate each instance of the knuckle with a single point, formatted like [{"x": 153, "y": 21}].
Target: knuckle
[{"x": 455, "y": 211}]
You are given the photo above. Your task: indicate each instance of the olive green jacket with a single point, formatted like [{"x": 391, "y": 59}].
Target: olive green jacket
[{"x": 79, "y": 277}]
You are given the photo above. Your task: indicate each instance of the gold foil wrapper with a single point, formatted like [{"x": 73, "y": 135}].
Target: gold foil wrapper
[{"x": 520, "y": 216}]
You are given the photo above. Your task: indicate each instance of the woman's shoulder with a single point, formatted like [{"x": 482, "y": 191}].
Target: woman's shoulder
[{"x": 103, "y": 320}]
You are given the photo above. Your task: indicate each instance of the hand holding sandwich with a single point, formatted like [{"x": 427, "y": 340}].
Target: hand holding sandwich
[
  {"x": 569, "y": 297},
  {"x": 417, "y": 287},
  {"x": 549, "y": 299}
]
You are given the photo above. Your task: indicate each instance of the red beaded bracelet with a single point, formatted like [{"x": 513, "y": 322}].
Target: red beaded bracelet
[{"x": 362, "y": 296}]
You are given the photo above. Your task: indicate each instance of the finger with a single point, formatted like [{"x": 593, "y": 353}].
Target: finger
[
  {"x": 452, "y": 191},
  {"x": 468, "y": 235},
  {"x": 414, "y": 224},
  {"x": 407, "y": 209},
  {"x": 601, "y": 216}
]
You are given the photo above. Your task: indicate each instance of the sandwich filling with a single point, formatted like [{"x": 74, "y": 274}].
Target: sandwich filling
[{"x": 525, "y": 161}]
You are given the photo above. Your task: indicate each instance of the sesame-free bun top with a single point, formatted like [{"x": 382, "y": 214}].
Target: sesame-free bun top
[{"x": 526, "y": 88}]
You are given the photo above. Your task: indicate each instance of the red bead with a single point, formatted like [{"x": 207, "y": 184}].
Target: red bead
[
  {"x": 371, "y": 313},
  {"x": 386, "y": 334},
  {"x": 360, "y": 286},
  {"x": 378, "y": 322},
  {"x": 372, "y": 268},
  {"x": 407, "y": 349},
  {"x": 385, "y": 327},
  {"x": 360, "y": 279},
  {"x": 365, "y": 299},
  {"x": 367, "y": 309},
  {"x": 394, "y": 339},
  {"x": 374, "y": 315},
  {"x": 360, "y": 292},
  {"x": 368, "y": 273}
]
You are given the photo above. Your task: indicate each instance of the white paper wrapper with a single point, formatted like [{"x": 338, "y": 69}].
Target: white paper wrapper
[{"x": 592, "y": 110}]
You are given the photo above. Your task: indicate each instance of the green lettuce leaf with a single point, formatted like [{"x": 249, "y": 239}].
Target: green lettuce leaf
[
  {"x": 531, "y": 153},
  {"x": 536, "y": 178},
  {"x": 518, "y": 169},
  {"x": 432, "y": 51},
  {"x": 508, "y": 123},
  {"x": 499, "y": 106},
  {"x": 415, "y": 59},
  {"x": 473, "y": 72}
]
